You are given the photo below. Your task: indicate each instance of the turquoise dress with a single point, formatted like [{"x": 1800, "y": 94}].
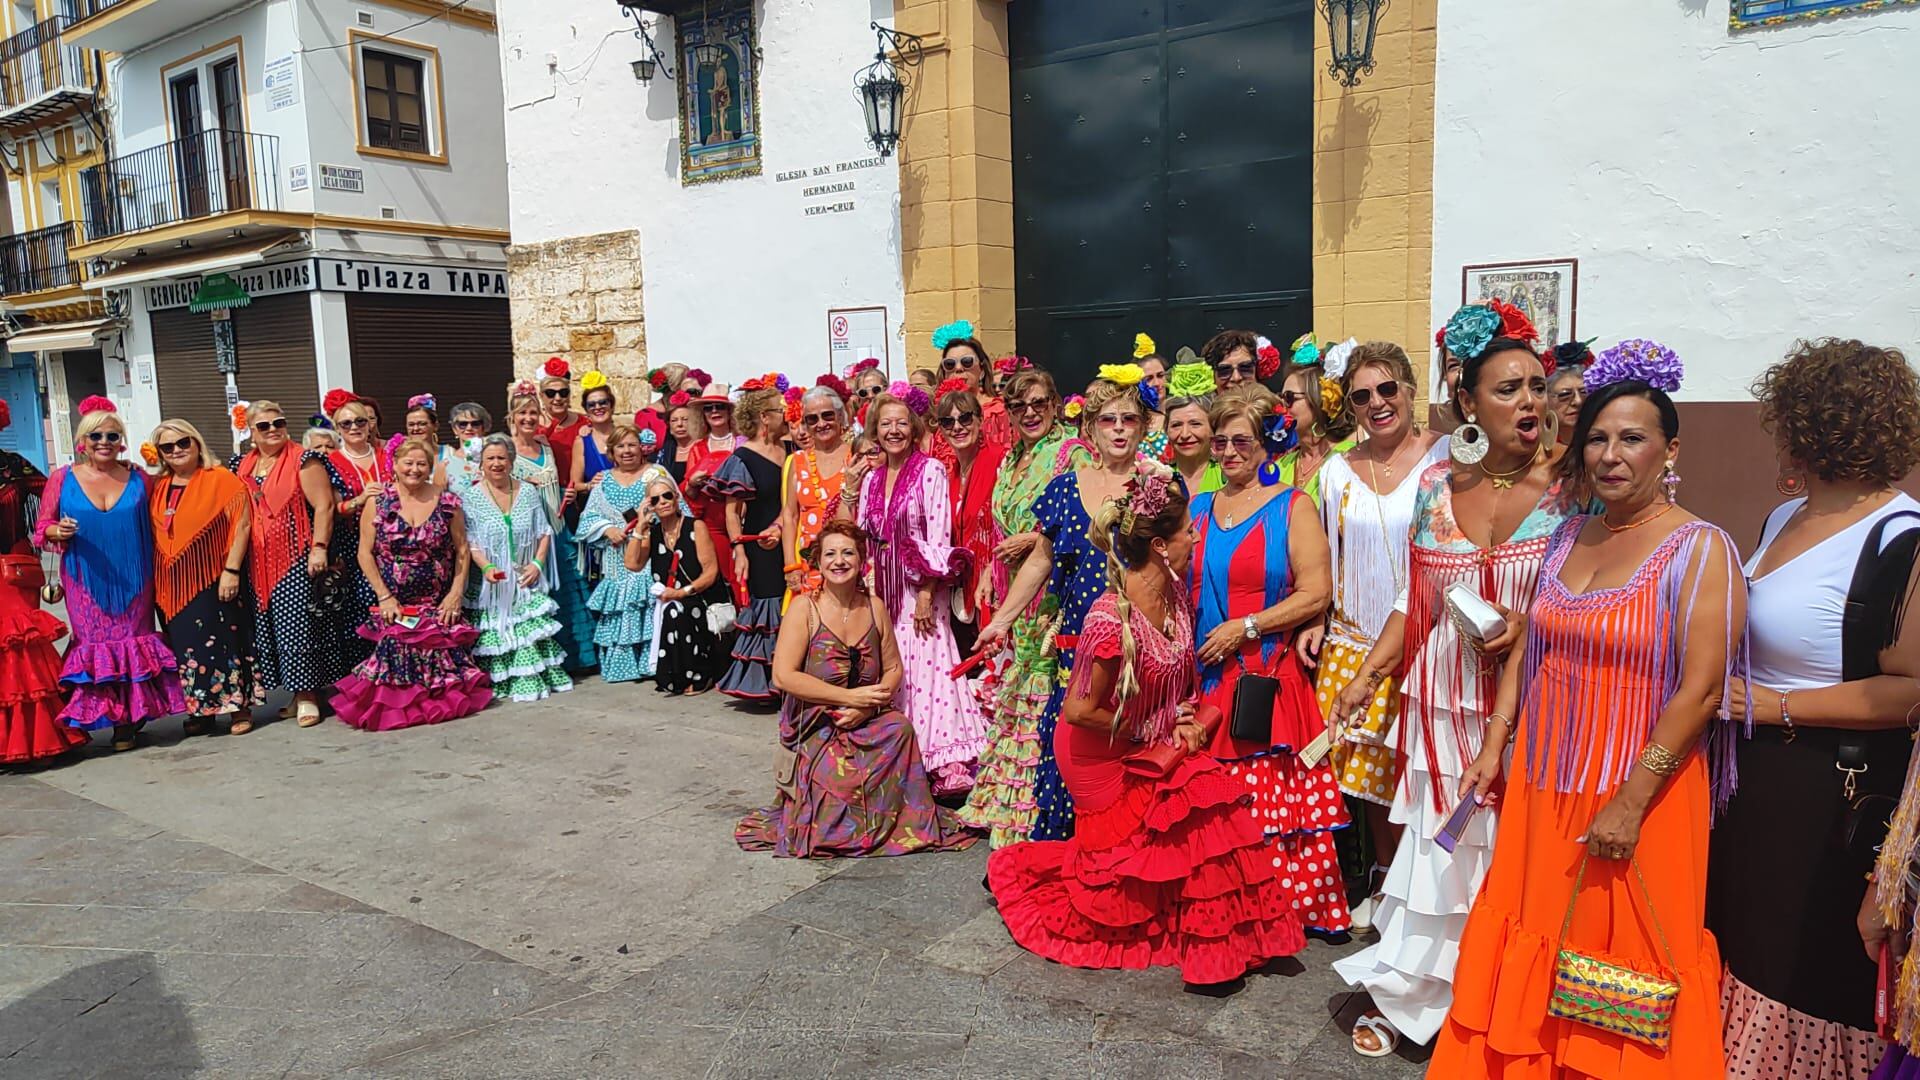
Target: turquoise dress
[
  {"x": 622, "y": 603},
  {"x": 518, "y": 646},
  {"x": 570, "y": 589}
]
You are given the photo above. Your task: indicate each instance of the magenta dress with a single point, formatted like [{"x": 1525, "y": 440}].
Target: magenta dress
[
  {"x": 857, "y": 792},
  {"x": 118, "y": 669},
  {"x": 1161, "y": 871},
  {"x": 913, "y": 544},
  {"x": 422, "y": 673}
]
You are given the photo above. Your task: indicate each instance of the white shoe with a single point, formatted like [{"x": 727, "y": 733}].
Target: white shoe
[
  {"x": 1363, "y": 915},
  {"x": 1384, "y": 1032}
]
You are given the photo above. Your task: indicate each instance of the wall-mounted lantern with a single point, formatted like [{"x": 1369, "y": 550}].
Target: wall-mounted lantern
[
  {"x": 880, "y": 88},
  {"x": 652, "y": 63},
  {"x": 1351, "y": 25}
]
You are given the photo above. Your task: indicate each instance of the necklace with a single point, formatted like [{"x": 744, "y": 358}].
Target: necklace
[
  {"x": 1631, "y": 525},
  {"x": 1221, "y": 510},
  {"x": 726, "y": 443},
  {"x": 1505, "y": 480}
]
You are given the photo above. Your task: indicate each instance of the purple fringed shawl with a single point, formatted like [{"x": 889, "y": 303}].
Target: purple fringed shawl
[
  {"x": 911, "y": 531},
  {"x": 1600, "y": 667}
]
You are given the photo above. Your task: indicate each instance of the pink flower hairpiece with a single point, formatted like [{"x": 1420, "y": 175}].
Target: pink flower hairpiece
[
  {"x": 522, "y": 388},
  {"x": 94, "y": 403},
  {"x": 423, "y": 401},
  {"x": 1150, "y": 491},
  {"x": 913, "y": 397}
]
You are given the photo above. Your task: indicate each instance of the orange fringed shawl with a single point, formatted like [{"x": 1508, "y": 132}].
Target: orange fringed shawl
[{"x": 191, "y": 542}]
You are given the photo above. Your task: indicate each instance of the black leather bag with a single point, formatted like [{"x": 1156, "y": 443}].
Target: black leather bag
[{"x": 1253, "y": 701}]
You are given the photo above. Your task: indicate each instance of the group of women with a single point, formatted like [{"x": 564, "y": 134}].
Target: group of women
[{"x": 1627, "y": 807}]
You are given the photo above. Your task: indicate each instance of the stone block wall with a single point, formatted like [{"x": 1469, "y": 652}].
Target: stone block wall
[
  {"x": 580, "y": 299},
  {"x": 1373, "y": 189}
]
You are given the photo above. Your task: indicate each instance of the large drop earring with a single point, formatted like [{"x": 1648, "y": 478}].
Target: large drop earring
[
  {"x": 1269, "y": 472},
  {"x": 1790, "y": 483},
  {"x": 1468, "y": 444},
  {"x": 1671, "y": 481}
]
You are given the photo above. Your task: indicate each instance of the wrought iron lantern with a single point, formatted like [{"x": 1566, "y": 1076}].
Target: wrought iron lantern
[
  {"x": 645, "y": 67},
  {"x": 1351, "y": 25},
  {"x": 881, "y": 91}
]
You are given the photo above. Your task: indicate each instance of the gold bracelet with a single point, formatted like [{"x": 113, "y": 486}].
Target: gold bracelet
[
  {"x": 1660, "y": 761},
  {"x": 1488, "y": 726}
]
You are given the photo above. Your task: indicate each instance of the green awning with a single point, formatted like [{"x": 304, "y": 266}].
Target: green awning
[{"x": 219, "y": 292}]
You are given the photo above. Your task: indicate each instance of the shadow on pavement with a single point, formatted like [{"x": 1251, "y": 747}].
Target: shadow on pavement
[{"x": 85, "y": 1023}]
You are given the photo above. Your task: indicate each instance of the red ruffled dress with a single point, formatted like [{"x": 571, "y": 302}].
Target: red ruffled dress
[
  {"x": 1161, "y": 871},
  {"x": 30, "y": 727}
]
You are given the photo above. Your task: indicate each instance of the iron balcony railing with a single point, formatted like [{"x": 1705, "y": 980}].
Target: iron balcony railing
[
  {"x": 214, "y": 172},
  {"x": 83, "y": 9},
  {"x": 36, "y": 64},
  {"x": 37, "y": 261}
]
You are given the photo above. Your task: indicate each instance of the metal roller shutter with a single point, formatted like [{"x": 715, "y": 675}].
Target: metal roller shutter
[
  {"x": 273, "y": 338},
  {"x": 455, "y": 348}
]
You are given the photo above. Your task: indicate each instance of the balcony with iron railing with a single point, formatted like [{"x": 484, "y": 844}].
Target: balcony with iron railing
[
  {"x": 38, "y": 261},
  {"x": 42, "y": 74},
  {"x": 126, "y": 25},
  {"x": 205, "y": 177}
]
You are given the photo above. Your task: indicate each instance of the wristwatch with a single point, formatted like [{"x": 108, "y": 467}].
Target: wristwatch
[{"x": 1252, "y": 629}]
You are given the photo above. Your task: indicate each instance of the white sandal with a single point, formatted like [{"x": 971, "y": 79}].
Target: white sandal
[
  {"x": 1363, "y": 911},
  {"x": 1383, "y": 1031}
]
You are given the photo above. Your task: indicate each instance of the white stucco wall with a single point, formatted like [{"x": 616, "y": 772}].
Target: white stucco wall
[
  {"x": 1725, "y": 191},
  {"x": 729, "y": 262}
]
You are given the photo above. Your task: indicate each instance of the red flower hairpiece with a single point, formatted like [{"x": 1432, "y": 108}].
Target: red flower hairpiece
[
  {"x": 948, "y": 387},
  {"x": 1513, "y": 322},
  {"x": 6, "y": 415},
  {"x": 335, "y": 399},
  {"x": 1268, "y": 358},
  {"x": 836, "y": 384},
  {"x": 751, "y": 385},
  {"x": 869, "y": 362},
  {"x": 1007, "y": 365},
  {"x": 695, "y": 375},
  {"x": 94, "y": 403},
  {"x": 679, "y": 398},
  {"x": 657, "y": 378},
  {"x": 556, "y": 368}
]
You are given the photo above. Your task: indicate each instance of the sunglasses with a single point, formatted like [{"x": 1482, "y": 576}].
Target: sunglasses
[
  {"x": 599, "y": 403},
  {"x": 280, "y": 424},
  {"x": 1117, "y": 420},
  {"x": 103, "y": 437},
  {"x": 662, "y": 499},
  {"x": 462, "y": 425},
  {"x": 820, "y": 418},
  {"x": 1569, "y": 396},
  {"x": 957, "y": 421},
  {"x": 1247, "y": 370},
  {"x": 1243, "y": 445},
  {"x": 180, "y": 446},
  {"x": 556, "y": 395},
  {"x": 344, "y": 425},
  {"x": 1290, "y": 397},
  {"x": 1031, "y": 405},
  {"x": 1388, "y": 391},
  {"x": 716, "y": 408},
  {"x": 953, "y": 363},
  {"x": 864, "y": 394}
]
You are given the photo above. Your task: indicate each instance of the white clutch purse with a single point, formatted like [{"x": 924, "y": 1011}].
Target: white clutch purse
[{"x": 1476, "y": 619}]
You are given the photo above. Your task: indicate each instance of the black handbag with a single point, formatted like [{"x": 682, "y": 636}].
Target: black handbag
[{"x": 1253, "y": 700}]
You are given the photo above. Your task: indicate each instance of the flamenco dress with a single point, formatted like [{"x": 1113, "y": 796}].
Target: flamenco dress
[
  {"x": 1598, "y": 671},
  {"x": 30, "y": 727},
  {"x": 211, "y": 638},
  {"x": 1239, "y": 570},
  {"x": 686, "y": 651},
  {"x": 911, "y": 534},
  {"x": 755, "y": 480},
  {"x": 519, "y": 642},
  {"x": 1160, "y": 871},
  {"x": 117, "y": 670},
  {"x": 303, "y": 626},
  {"x": 421, "y": 673},
  {"x": 856, "y": 792},
  {"x": 570, "y": 585},
  {"x": 622, "y": 600}
]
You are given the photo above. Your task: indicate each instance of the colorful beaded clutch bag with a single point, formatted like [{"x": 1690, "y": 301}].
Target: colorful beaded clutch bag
[{"x": 1632, "y": 1004}]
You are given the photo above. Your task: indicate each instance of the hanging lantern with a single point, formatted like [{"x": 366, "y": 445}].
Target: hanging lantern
[
  {"x": 881, "y": 91},
  {"x": 1351, "y": 25}
]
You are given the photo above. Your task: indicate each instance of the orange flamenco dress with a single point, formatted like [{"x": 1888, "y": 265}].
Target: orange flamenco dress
[{"x": 1599, "y": 669}]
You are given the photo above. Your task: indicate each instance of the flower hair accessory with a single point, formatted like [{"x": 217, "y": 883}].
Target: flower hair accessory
[
  {"x": 319, "y": 420},
  {"x": 423, "y": 401},
  {"x": 657, "y": 378},
  {"x": 836, "y": 384},
  {"x": 393, "y": 444},
  {"x": 1148, "y": 492},
  {"x": 696, "y": 375},
  {"x": 1470, "y": 330},
  {"x": 94, "y": 403},
  {"x": 592, "y": 380},
  {"x": 556, "y": 368},
  {"x": 6, "y": 415},
  {"x": 149, "y": 454},
  {"x": 1334, "y": 361},
  {"x": 948, "y": 386},
  {"x": 651, "y": 431},
  {"x": 238, "y": 415},
  {"x": 868, "y": 364},
  {"x": 1122, "y": 374},
  {"x": 1268, "y": 357},
  {"x": 1513, "y": 322},
  {"x": 1278, "y": 430},
  {"x": 793, "y": 396},
  {"x": 1305, "y": 350},
  {"x": 521, "y": 388},
  {"x": 680, "y": 398},
  {"x": 1008, "y": 365},
  {"x": 1190, "y": 380},
  {"x": 773, "y": 380},
  {"x": 1143, "y": 347},
  {"x": 1074, "y": 406},
  {"x": 1574, "y": 353},
  {"x": 957, "y": 330},
  {"x": 914, "y": 398},
  {"x": 336, "y": 399},
  {"x": 1636, "y": 358}
]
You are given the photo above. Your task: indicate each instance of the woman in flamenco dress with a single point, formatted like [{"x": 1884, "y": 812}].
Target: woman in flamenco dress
[
  {"x": 1166, "y": 866},
  {"x": 30, "y": 727},
  {"x": 414, "y": 543},
  {"x": 119, "y": 672}
]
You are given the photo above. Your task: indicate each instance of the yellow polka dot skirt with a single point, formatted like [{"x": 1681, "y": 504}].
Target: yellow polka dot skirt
[{"x": 1364, "y": 759}]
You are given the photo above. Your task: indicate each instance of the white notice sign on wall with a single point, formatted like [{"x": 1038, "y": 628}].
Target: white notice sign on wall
[
  {"x": 282, "y": 82},
  {"x": 854, "y": 334}
]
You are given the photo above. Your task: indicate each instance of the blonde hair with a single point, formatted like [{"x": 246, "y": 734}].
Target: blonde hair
[
  {"x": 263, "y": 407},
  {"x": 1101, "y": 393},
  {"x": 426, "y": 448},
  {"x": 358, "y": 407},
  {"x": 672, "y": 373},
  {"x": 96, "y": 420},
  {"x": 621, "y": 430},
  {"x": 207, "y": 460},
  {"x": 754, "y": 408},
  {"x": 1250, "y": 403},
  {"x": 884, "y": 400},
  {"x": 515, "y": 401}
]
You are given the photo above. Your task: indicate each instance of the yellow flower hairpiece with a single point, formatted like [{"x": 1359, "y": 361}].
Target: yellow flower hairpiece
[
  {"x": 1143, "y": 347},
  {"x": 592, "y": 380},
  {"x": 1122, "y": 374},
  {"x": 1332, "y": 396}
]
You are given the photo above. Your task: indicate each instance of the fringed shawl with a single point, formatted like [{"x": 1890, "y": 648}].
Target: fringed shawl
[
  {"x": 970, "y": 502},
  {"x": 911, "y": 530},
  {"x": 282, "y": 520},
  {"x": 1624, "y": 649},
  {"x": 190, "y": 543}
]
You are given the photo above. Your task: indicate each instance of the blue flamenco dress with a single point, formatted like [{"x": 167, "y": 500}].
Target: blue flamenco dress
[
  {"x": 1079, "y": 578},
  {"x": 622, "y": 601}
]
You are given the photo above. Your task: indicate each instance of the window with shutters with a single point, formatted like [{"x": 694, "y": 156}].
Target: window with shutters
[{"x": 401, "y": 110}]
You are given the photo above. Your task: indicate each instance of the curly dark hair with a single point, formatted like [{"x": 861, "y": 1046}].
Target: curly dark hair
[
  {"x": 1224, "y": 342},
  {"x": 1843, "y": 410}
]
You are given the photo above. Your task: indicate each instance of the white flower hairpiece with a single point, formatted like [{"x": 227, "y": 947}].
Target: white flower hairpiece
[{"x": 1334, "y": 361}]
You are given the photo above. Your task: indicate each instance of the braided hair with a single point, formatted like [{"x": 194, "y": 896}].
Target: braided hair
[{"x": 1127, "y": 539}]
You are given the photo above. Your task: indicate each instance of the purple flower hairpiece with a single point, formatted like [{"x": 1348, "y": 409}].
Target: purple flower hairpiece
[
  {"x": 914, "y": 398},
  {"x": 423, "y": 401},
  {"x": 1150, "y": 491},
  {"x": 1636, "y": 358}
]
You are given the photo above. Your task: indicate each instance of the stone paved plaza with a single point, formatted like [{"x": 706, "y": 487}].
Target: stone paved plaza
[{"x": 548, "y": 890}]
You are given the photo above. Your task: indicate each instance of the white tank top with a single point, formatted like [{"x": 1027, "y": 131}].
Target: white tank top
[{"x": 1794, "y": 613}]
